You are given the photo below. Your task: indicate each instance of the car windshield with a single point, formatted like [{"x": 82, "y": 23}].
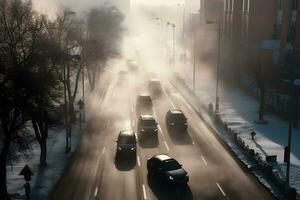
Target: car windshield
[
  {"x": 178, "y": 117},
  {"x": 149, "y": 122},
  {"x": 126, "y": 140},
  {"x": 171, "y": 165}
]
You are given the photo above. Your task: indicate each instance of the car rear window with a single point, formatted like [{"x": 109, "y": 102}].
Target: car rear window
[
  {"x": 146, "y": 100},
  {"x": 170, "y": 165},
  {"x": 126, "y": 139},
  {"x": 150, "y": 122},
  {"x": 178, "y": 117}
]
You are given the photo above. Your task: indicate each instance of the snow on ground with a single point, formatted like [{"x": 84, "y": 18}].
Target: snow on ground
[
  {"x": 240, "y": 111},
  {"x": 43, "y": 178}
]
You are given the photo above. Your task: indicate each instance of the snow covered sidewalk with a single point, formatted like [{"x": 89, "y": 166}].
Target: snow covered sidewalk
[
  {"x": 44, "y": 178},
  {"x": 239, "y": 111}
]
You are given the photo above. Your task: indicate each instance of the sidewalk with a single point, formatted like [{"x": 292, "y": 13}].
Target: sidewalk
[
  {"x": 43, "y": 178},
  {"x": 239, "y": 111}
]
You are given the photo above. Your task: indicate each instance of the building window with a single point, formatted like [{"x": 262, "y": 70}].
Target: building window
[
  {"x": 246, "y": 4},
  {"x": 229, "y": 5},
  {"x": 232, "y": 5}
]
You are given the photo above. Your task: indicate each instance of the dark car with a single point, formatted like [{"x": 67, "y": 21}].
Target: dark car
[
  {"x": 144, "y": 104},
  {"x": 147, "y": 126},
  {"x": 154, "y": 87},
  {"x": 126, "y": 142},
  {"x": 176, "y": 120},
  {"x": 167, "y": 169}
]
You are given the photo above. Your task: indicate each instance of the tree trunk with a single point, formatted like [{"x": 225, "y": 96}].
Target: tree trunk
[
  {"x": 41, "y": 136},
  {"x": 43, "y": 155},
  {"x": 72, "y": 109},
  {"x": 3, "y": 157}
]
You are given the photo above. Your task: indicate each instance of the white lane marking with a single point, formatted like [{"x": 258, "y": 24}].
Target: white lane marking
[
  {"x": 133, "y": 123},
  {"x": 138, "y": 161},
  {"x": 169, "y": 98},
  {"x": 103, "y": 150},
  {"x": 193, "y": 142},
  {"x": 221, "y": 190},
  {"x": 204, "y": 160},
  {"x": 132, "y": 109},
  {"x": 96, "y": 192},
  {"x": 144, "y": 192},
  {"x": 166, "y": 144},
  {"x": 160, "y": 130}
]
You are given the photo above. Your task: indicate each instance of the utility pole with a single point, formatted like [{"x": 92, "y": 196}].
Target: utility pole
[
  {"x": 173, "y": 52},
  {"x": 83, "y": 97}
]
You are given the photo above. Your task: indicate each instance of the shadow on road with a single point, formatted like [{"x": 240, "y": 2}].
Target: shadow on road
[
  {"x": 125, "y": 162},
  {"x": 180, "y": 137},
  {"x": 147, "y": 142},
  {"x": 169, "y": 192}
]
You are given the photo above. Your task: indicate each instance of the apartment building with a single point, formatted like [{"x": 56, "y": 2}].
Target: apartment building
[{"x": 254, "y": 33}]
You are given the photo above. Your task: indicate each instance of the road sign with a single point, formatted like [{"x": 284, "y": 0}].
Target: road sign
[{"x": 26, "y": 172}]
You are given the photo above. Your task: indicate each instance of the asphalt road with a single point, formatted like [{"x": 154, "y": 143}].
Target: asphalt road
[{"x": 96, "y": 173}]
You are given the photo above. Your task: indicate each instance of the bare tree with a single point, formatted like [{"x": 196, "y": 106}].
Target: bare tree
[{"x": 103, "y": 39}]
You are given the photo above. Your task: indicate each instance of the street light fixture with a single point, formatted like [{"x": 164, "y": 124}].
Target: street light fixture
[{"x": 161, "y": 32}]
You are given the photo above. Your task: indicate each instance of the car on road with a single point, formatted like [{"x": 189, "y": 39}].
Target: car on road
[
  {"x": 155, "y": 87},
  {"x": 167, "y": 169},
  {"x": 144, "y": 104},
  {"x": 132, "y": 65},
  {"x": 126, "y": 142},
  {"x": 148, "y": 127},
  {"x": 176, "y": 120}
]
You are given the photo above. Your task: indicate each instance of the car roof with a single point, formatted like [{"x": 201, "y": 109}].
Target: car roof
[
  {"x": 154, "y": 80},
  {"x": 147, "y": 117},
  {"x": 176, "y": 111},
  {"x": 126, "y": 133},
  {"x": 144, "y": 95},
  {"x": 163, "y": 157}
]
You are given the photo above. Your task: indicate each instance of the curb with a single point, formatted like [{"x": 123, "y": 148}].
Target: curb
[{"x": 255, "y": 159}]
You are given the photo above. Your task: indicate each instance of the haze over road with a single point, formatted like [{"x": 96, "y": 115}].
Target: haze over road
[{"x": 95, "y": 173}]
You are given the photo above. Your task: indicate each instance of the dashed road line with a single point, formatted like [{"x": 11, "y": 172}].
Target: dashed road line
[
  {"x": 138, "y": 161},
  {"x": 221, "y": 190},
  {"x": 144, "y": 192},
  {"x": 166, "y": 144},
  {"x": 133, "y": 123},
  {"x": 103, "y": 150},
  {"x": 96, "y": 192},
  {"x": 160, "y": 130},
  {"x": 204, "y": 160},
  {"x": 132, "y": 109}
]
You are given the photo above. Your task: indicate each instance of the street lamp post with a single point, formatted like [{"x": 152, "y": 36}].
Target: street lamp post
[
  {"x": 183, "y": 29},
  {"x": 173, "y": 51},
  {"x": 217, "y": 110},
  {"x": 161, "y": 33}
]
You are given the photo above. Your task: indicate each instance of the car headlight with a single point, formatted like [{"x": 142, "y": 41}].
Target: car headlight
[
  {"x": 187, "y": 175},
  {"x": 119, "y": 148},
  {"x": 132, "y": 148},
  {"x": 155, "y": 130},
  {"x": 142, "y": 130},
  {"x": 172, "y": 124},
  {"x": 171, "y": 178}
]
